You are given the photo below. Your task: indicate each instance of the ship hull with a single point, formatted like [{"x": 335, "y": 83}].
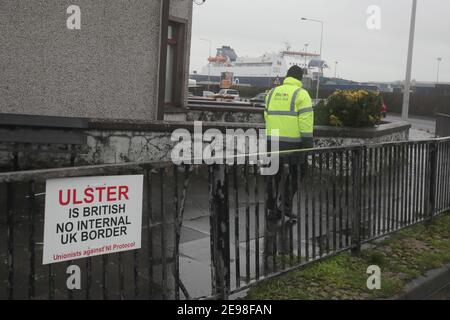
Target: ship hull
[{"x": 259, "y": 82}]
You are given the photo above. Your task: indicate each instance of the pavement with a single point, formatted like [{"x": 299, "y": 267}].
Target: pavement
[{"x": 422, "y": 127}]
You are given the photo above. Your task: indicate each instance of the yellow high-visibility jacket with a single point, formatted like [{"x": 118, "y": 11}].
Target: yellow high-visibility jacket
[{"x": 289, "y": 110}]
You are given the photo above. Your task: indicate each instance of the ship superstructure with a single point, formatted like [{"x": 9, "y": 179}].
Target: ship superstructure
[{"x": 264, "y": 71}]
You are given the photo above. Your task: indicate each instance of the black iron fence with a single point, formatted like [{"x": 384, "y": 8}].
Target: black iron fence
[{"x": 211, "y": 231}]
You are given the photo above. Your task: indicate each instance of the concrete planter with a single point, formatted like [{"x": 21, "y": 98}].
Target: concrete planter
[{"x": 327, "y": 136}]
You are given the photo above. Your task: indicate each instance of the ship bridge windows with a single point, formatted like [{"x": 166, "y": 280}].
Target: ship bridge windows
[
  {"x": 298, "y": 64},
  {"x": 253, "y": 64}
]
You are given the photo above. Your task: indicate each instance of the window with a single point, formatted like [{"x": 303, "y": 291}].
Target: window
[{"x": 174, "y": 82}]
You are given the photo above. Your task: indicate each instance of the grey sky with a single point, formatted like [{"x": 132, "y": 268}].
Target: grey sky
[{"x": 253, "y": 27}]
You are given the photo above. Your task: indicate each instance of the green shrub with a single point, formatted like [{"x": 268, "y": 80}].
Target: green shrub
[{"x": 350, "y": 108}]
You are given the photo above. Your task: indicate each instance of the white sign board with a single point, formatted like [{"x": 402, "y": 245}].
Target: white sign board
[{"x": 92, "y": 216}]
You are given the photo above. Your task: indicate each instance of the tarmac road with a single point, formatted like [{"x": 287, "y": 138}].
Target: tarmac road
[
  {"x": 423, "y": 124},
  {"x": 443, "y": 294}
]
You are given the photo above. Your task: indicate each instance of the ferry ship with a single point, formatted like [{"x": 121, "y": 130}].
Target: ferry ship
[{"x": 265, "y": 71}]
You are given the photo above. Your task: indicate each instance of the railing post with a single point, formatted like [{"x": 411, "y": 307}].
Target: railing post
[
  {"x": 357, "y": 167},
  {"x": 433, "y": 179},
  {"x": 220, "y": 231},
  {"x": 10, "y": 257}
]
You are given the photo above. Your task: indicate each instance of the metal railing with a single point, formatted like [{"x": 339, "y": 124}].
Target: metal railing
[{"x": 207, "y": 231}]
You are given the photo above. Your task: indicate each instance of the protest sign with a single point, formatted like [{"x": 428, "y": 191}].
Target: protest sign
[{"x": 92, "y": 216}]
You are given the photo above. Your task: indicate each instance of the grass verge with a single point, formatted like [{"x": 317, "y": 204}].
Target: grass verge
[{"x": 402, "y": 257}]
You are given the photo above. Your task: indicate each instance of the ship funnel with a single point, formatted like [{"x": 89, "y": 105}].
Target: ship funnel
[{"x": 228, "y": 52}]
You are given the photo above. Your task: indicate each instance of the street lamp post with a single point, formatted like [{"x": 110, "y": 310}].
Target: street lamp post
[
  {"x": 438, "y": 69},
  {"x": 335, "y": 69},
  {"x": 306, "y": 51},
  {"x": 209, "y": 62},
  {"x": 406, "y": 94},
  {"x": 321, "y": 47}
]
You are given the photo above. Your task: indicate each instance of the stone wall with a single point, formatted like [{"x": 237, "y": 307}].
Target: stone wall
[
  {"x": 126, "y": 146},
  {"x": 143, "y": 146},
  {"x": 111, "y": 142},
  {"x": 117, "y": 142},
  {"x": 138, "y": 146}
]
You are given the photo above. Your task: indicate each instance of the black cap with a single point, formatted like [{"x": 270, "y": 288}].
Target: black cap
[{"x": 295, "y": 72}]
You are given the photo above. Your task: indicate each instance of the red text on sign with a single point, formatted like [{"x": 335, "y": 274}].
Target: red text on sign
[{"x": 93, "y": 194}]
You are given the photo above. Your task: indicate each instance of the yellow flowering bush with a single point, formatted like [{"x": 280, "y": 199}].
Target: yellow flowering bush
[{"x": 350, "y": 108}]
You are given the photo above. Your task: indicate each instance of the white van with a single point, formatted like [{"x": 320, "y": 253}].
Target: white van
[{"x": 229, "y": 93}]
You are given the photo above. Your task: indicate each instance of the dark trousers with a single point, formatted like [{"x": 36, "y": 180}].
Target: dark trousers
[{"x": 282, "y": 187}]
